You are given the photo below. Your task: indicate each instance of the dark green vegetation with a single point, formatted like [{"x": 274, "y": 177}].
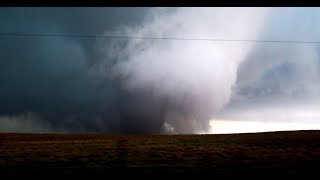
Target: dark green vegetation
[{"x": 295, "y": 153}]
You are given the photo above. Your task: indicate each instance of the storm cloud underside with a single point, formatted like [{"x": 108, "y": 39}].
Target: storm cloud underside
[{"x": 74, "y": 85}]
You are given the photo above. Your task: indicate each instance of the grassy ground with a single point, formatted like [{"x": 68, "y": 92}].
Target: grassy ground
[{"x": 295, "y": 153}]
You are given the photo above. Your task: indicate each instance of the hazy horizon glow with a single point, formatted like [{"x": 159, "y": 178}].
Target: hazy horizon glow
[{"x": 219, "y": 126}]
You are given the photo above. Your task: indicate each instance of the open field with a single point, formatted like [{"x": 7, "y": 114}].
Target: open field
[{"x": 294, "y": 153}]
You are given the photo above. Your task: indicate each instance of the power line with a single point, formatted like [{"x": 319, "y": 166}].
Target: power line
[{"x": 157, "y": 38}]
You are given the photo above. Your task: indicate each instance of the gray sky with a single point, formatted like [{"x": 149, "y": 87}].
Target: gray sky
[{"x": 78, "y": 85}]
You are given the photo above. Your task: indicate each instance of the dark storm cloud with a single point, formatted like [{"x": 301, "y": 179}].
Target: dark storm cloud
[
  {"x": 50, "y": 84},
  {"x": 51, "y": 77},
  {"x": 77, "y": 21},
  {"x": 60, "y": 80}
]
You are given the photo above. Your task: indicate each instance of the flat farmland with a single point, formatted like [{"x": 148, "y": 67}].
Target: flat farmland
[{"x": 289, "y": 154}]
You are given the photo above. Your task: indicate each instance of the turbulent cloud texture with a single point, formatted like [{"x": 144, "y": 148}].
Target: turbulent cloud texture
[
  {"x": 184, "y": 83},
  {"x": 92, "y": 85}
]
